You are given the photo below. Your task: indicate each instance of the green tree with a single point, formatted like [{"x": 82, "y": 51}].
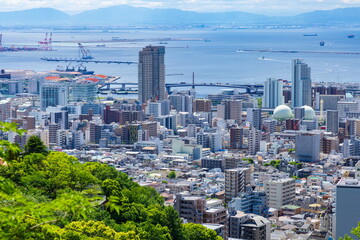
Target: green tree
[
  {"x": 35, "y": 145},
  {"x": 53, "y": 196},
  {"x": 198, "y": 232},
  {"x": 291, "y": 150},
  {"x": 355, "y": 231},
  {"x": 94, "y": 230},
  {"x": 249, "y": 160},
  {"x": 173, "y": 222},
  {"x": 172, "y": 174}
]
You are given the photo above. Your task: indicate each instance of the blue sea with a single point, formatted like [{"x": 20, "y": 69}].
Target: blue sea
[{"x": 215, "y": 60}]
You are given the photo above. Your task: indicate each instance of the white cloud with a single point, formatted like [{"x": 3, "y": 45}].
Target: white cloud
[{"x": 271, "y": 7}]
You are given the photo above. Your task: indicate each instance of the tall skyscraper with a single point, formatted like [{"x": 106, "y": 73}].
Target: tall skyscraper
[
  {"x": 301, "y": 84},
  {"x": 273, "y": 93},
  {"x": 332, "y": 121},
  {"x": 151, "y": 75}
]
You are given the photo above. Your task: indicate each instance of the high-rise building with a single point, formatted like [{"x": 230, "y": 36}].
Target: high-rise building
[
  {"x": 53, "y": 94},
  {"x": 330, "y": 144},
  {"x": 151, "y": 127},
  {"x": 273, "y": 93},
  {"x": 234, "y": 183},
  {"x": 236, "y": 137},
  {"x": 270, "y": 125},
  {"x": 199, "y": 210},
  {"x": 254, "y": 140},
  {"x": 346, "y": 107},
  {"x": 111, "y": 115},
  {"x": 61, "y": 117},
  {"x": 280, "y": 192},
  {"x": 254, "y": 117},
  {"x": 230, "y": 109},
  {"x": 250, "y": 202},
  {"x": 158, "y": 108},
  {"x": 307, "y": 147},
  {"x": 53, "y": 128},
  {"x": 82, "y": 92},
  {"x": 5, "y": 109},
  {"x": 332, "y": 121},
  {"x": 249, "y": 226},
  {"x": 95, "y": 132},
  {"x": 182, "y": 102},
  {"x": 202, "y": 105},
  {"x": 301, "y": 84},
  {"x": 347, "y": 213},
  {"x": 151, "y": 75}
]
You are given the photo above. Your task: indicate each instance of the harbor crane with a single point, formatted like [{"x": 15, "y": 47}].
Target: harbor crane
[
  {"x": 85, "y": 53},
  {"x": 46, "y": 44},
  {"x": 85, "y": 58}
]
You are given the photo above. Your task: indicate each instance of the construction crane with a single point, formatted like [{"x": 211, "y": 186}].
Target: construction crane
[
  {"x": 46, "y": 44},
  {"x": 85, "y": 53}
]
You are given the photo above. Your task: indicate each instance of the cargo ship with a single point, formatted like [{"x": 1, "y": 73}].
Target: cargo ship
[{"x": 310, "y": 35}]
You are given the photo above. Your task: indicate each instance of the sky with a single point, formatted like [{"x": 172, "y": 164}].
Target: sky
[{"x": 267, "y": 7}]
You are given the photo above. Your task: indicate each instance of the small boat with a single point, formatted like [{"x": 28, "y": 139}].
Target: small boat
[
  {"x": 322, "y": 43},
  {"x": 310, "y": 35},
  {"x": 100, "y": 45},
  {"x": 163, "y": 43},
  {"x": 351, "y": 36}
]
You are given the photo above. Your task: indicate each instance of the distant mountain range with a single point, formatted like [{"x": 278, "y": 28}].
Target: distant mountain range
[{"x": 123, "y": 15}]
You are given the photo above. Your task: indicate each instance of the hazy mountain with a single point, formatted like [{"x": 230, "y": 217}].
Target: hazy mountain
[
  {"x": 36, "y": 16},
  {"x": 123, "y": 15},
  {"x": 336, "y": 16}
]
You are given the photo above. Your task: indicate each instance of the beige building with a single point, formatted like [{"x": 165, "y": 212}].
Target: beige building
[
  {"x": 280, "y": 192},
  {"x": 199, "y": 210}
]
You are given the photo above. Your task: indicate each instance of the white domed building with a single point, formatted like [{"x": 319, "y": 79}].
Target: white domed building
[
  {"x": 282, "y": 112},
  {"x": 309, "y": 113}
]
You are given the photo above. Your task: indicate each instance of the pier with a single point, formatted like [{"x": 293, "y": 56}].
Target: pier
[
  {"x": 84, "y": 60},
  {"x": 295, "y": 51}
]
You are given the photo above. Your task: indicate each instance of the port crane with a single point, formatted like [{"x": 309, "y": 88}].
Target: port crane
[
  {"x": 85, "y": 53},
  {"x": 84, "y": 58},
  {"x": 46, "y": 44}
]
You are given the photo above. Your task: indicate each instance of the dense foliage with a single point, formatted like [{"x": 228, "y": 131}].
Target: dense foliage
[
  {"x": 53, "y": 196},
  {"x": 355, "y": 231}
]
